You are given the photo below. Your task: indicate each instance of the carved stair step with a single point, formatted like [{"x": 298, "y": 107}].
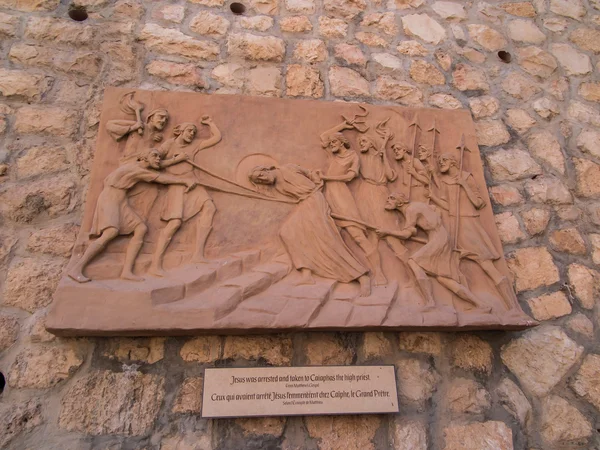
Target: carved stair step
[
  {"x": 152, "y": 291},
  {"x": 110, "y": 265},
  {"x": 277, "y": 271},
  {"x": 250, "y": 283},
  {"x": 250, "y": 259},
  {"x": 220, "y": 300},
  {"x": 334, "y": 313},
  {"x": 372, "y": 310},
  {"x": 298, "y": 313}
]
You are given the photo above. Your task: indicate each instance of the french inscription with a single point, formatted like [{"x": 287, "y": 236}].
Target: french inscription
[
  {"x": 278, "y": 391},
  {"x": 241, "y": 214}
]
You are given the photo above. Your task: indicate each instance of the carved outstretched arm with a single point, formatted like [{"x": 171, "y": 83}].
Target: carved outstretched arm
[
  {"x": 172, "y": 161},
  {"x": 337, "y": 129},
  {"x": 473, "y": 192},
  {"x": 213, "y": 140},
  {"x": 390, "y": 173},
  {"x": 164, "y": 178},
  {"x": 349, "y": 176},
  {"x": 119, "y": 129}
]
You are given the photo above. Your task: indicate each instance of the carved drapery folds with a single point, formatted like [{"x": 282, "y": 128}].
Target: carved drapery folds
[{"x": 233, "y": 213}]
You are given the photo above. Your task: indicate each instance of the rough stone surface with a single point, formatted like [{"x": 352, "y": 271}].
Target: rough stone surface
[
  {"x": 588, "y": 141},
  {"x": 421, "y": 342},
  {"x": 43, "y": 366},
  {"x": 484, "y": 106},
  {"x": 146, "y": 350},
  {"x": 509, "y": 229},
  {"x": 549, "y": 190},
  {"x": 347, "y": 83},
  {"x": 255, "y": 48},
  {"x": 471, "y": 353},
  {"x": 19, "y": 83},
  {"x": 104, "y": 402},
  {"x": 203, "y": 349},
  {"x": 424, "y": 72},
  {"x": 468, "y": 78},
  {"x": 176, "y": 73},
  {"x": 487, "y": 37},
  {"x": 351, "y": 432},
  {"x": 512, "y": 164},
  {"x": 571, "y": 60},
  {"x": 465, "y": 396},
  {"x": 536, "y": 61},
  {"x": 189, "y": 396},
  {"x": 478, "y": 436},
  {"x": 408, "y": 435},
  {"x": 525, "y": 31},
  {"x": 9, "y": 330},
  {"x": 303, "y": 81},
  {"x": 30, "y": 283},
  {"x": 520, "y": 86},
  {"x": 535, "y": 220},
  {"x": 52, "y": 121},
  {"x": 326, "y": 349},
  {"x": 541, "y": 358},
  {"x": 586, "y": 383},
  {"x": 562, "y": 424},
  {"x": 550, "y": 306},
  {"x": 568, "y": 240},
  {"x": 579, "y": 323},
  {"x": 514, "y": 401},
  {"x": 585, "y": 284},
  {"x": 586, "y": 39},
  {"x": 491, "y": 133},
  {"x": 588, "y": 181},
  {"x": 519, "y": 120},
  {"x": 173, "y": 42},
  {"x": 19, "y": 418},
  {"x": 423, "y": 27},
  {"x": 417, "y": 381},
  {"x": 276, "y": 351},
  {"x": 311, "y": 51}
]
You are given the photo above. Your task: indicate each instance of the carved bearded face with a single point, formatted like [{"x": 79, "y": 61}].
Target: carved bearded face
[
  {"x": 394, "y": 201},
  {"x": 399, "y": 152},
  {"x": 263, "y": 175},
  {"x": 159, "y": 121},
  {"x": 335, "y": 145}
]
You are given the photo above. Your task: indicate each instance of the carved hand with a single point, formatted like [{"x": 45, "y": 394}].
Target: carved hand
[
  {"x": 382, "y": 233},
  {"x": 137, "y": 126},
  {"x": 182, "y": 157},
  {"x": 206, "y": 120},
  {"x": 317, "y": 176}
]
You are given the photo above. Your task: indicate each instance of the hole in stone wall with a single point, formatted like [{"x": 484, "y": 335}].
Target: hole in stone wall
[
  {"x": 78, "y": 13},
  {"x": 504, "y": 56},
  {"x": 237, "y": 8},
  {"x": 2, "y": 382}
]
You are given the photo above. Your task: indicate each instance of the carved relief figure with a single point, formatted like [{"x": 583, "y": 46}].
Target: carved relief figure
[
  {"x": 435, "y": 257},
  {"x": 309, "y": 234},
  {"x": 139, "y": 136},
  {"x": 461, "y": 198},
  {"x": 179, "y": 205},
  {"x": 344, "y": 167},
  {"x": 114, "y": 216},
  {"x": 375, "y": 173}
]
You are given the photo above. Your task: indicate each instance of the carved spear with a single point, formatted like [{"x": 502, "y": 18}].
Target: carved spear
[
  {"x": 432, "y": 155},
  {"x": 462, "y": 147},
  {"x": 412, "y": 153}
]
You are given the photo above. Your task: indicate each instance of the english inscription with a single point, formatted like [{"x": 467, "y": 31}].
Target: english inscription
[{"x": 276, "y": 391}]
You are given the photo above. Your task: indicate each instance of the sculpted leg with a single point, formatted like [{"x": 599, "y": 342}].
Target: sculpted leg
[
  {"x": 164, "y": 239},
  {"x": 203, "y": 229},
  {"x": 502, "y": 284},
  {"x": 424, "y": 283},
  {"x": 76, "y": 272},
  {"x": 365, "y": 285},
  {"x": 464, "y": 293},
  {"x": 371, "y": 252},
  {"x": 132, "y": 252}
]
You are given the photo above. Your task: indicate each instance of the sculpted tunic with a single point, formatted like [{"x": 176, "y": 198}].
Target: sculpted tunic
[
  {"x": 112, "y": 207},
  {"x": 473, "y": 241},
  {"x": 435, "y": 257},
  {"x": 372, "y": 192},
  {"x": 337, "y": 193},
  {"x": 309, "y": 234},
  {"x": 179, "y": 204}
]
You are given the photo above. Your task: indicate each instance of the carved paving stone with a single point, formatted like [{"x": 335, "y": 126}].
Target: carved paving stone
[{"x": 224, "y": 214}]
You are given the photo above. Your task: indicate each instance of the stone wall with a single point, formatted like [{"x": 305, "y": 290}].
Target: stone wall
[{"x": 538, "y": 123}]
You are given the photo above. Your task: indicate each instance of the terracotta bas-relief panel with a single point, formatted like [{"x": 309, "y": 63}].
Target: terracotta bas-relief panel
[{"x": 243, "y": 214}]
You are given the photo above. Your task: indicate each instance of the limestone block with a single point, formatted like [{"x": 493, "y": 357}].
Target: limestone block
[
  {"x": 489, "y": 435},
  {"x": 549, "y": 306},
  {"x": 30, "y": 283},
  {"x": 105, "y": 402},
  {"x": 346, "y": 82},
  {"x": 255, "y": 48},
  {"x": 20, "y": 83},
  {"x": 173, "y": 42},
  {"x": 303, "y": 81},
  {"x": 541, "y": 358}
]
